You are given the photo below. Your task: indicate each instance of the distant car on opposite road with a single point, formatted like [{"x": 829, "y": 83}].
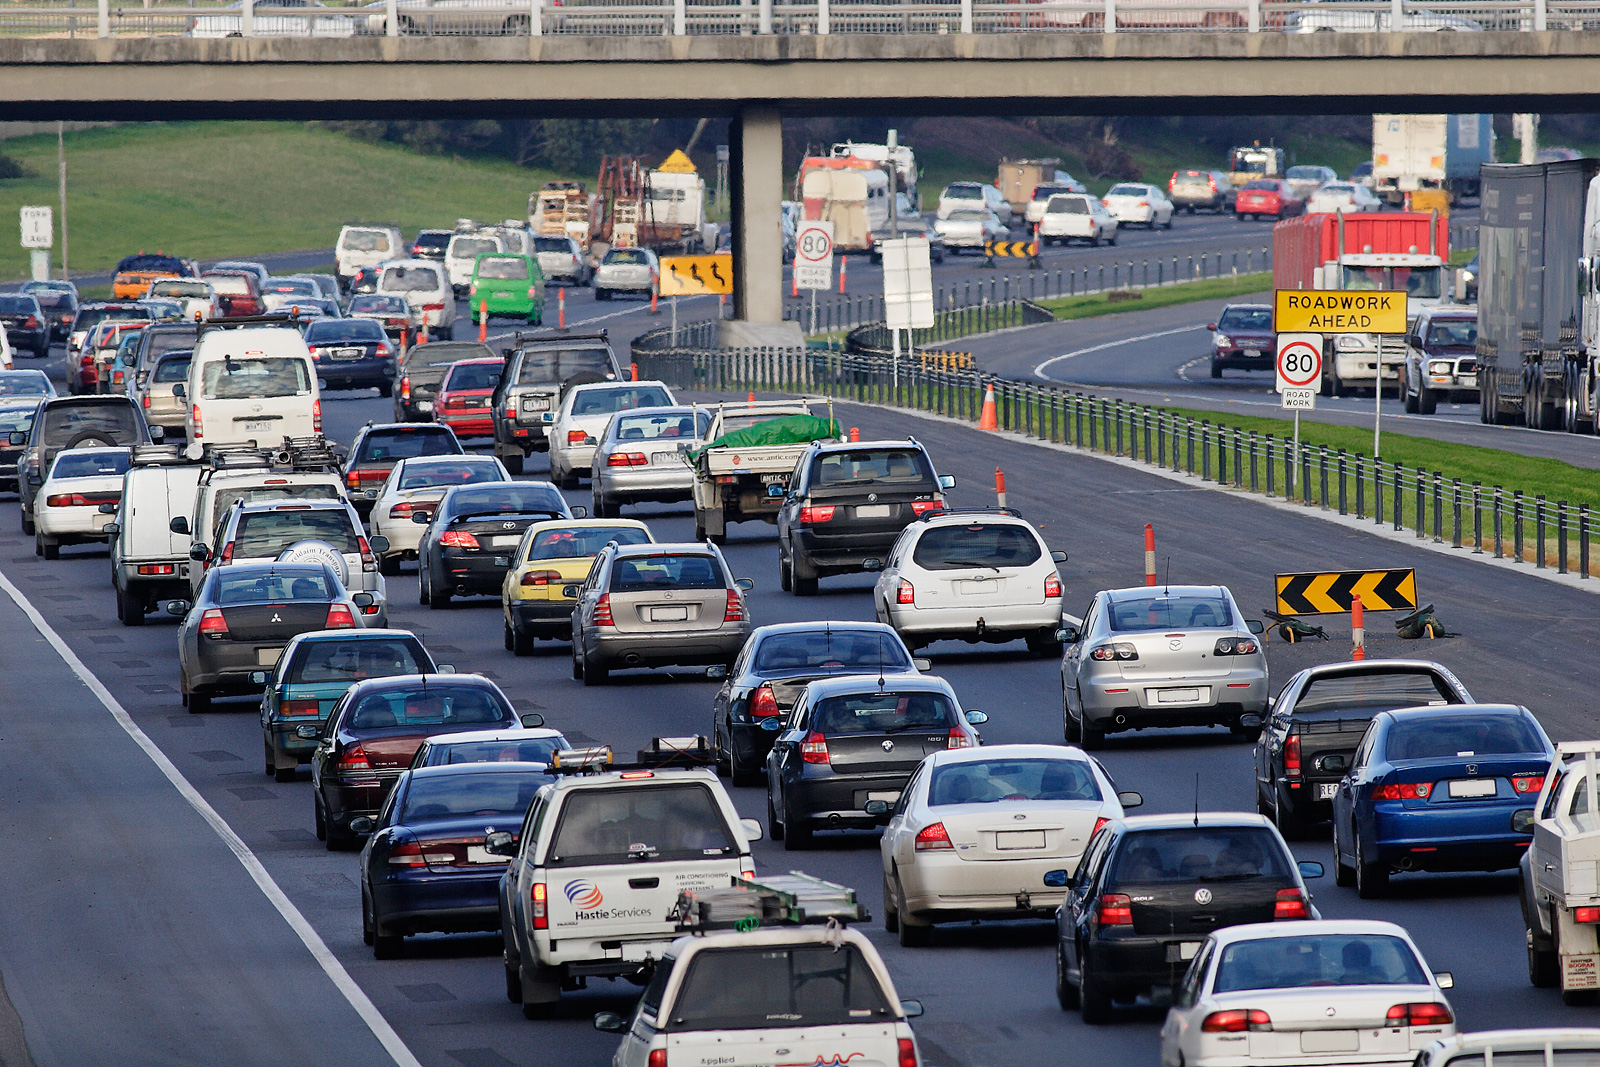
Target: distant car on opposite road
[
  {"x": 1076, "y": 217},
  {"x": 1242, "y": 338},
  {"x": 1263, "y": 197}
]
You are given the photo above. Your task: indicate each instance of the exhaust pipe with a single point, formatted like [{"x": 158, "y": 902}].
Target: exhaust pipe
[{"x": 1121, "y": 720}]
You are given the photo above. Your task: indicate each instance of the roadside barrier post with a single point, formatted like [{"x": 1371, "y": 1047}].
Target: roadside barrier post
[
  {"x": 844, "y": 265},
  {"x": 561, "y": 308},
  {"x": 483, "y": 321},
  {"x": 1149, "y": 554},
  {"x": 1000, "y": 486},
  {"x": 1358, "y": 631},
  {"x": 634, "y": 367},
  {"x": 855, "y": 434}
]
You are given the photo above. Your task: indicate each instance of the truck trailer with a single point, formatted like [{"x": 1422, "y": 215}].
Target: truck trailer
[{"x": 1413, "y": 152}]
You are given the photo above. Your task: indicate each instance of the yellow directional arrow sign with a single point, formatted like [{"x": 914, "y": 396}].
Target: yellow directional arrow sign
[
  {"x": 1330, "y": 592},
  {"x": 1011, "y": 248},
  {"x": 694, "y": 275}
]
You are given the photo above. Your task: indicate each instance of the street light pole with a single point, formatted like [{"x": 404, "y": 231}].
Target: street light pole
[{"x": 61, "y": 168}]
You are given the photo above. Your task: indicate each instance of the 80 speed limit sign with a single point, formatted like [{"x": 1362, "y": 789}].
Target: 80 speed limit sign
[
  {"x": 1299, "y": 368},
  {"x": 813, "y": 255}
]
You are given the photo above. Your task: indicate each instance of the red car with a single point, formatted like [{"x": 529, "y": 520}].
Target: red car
[
  {"x": 1268, "y": 196},
  {"x": 238, "y": 292},
  {"x": 465, "y": 400}
]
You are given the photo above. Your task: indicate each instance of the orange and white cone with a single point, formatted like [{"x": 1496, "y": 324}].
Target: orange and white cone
[
  {"x": 1358, "y": 630},
  {"x": 987, "y": 418}
]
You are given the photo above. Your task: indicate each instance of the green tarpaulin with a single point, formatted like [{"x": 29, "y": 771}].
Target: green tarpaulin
[{"x": 788, "y": 430}]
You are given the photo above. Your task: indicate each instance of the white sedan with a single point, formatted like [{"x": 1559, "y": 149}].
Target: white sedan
[
  {"x": 970, "y": 228},
  {"x": 977, "y": 830},
  {"x": 1076, "y": 217},
  {"x": 581, "y": 422},
  {"x": 627, "y": 270},
  {"x": 1315, "y": 992},
  {"x": 415, "y": 487},
  {"x": 80, "y": 480},
  {"x": 1342, "y": 197},
  {"x": 1137, "y": 204}
]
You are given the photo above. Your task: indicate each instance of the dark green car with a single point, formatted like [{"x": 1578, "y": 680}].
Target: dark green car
[
  {"x": 511, "y": 285},
  {"x": 313, "y": 673}
]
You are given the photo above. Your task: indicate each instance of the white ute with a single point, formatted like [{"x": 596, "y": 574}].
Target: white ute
[{"x": 1561, "y": 877}]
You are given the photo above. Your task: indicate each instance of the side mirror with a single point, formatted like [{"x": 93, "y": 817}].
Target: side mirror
[
  {"x": 571, "y": 591},
  {"x": 609, "y": 1022},
  {"x": 180, "y": 608},
  {"x": 747, "y": 584},
  {"x": 179, "y": 525},
  {"x": 947, "y": 481},
  {"x": 1445, "y": 979},
  {"x": 421, "y": 518},
  {"x": 1333, "y": 764},
  {"x": 872, "y": 563},
  {"x": 580, "y": 512},
  {"x": 1211, "y": 326},
  {"x": 1250, "y": 722},
  {"x": 157, "y": 434},
  {"x": 1055, "y": 879},
  {"x": 308, "y": 733},
  {"x": 922, "y": 664},
  {"x": 378, "y": 543},
  {"x": 1255, "y": 626},
  {"x": 877, "y": 807},
  {"x": 108, "y": 508},
  {"x": 361, "y": 824},
  {"x": 911, "y": 1009},
  {"x": 179, "y": 391},
  {"x": 17, "y": 438},
  {"x": 258, "y": 677},
  {"x": 1310, "y": 869},
  {"x": 977, "y": 718},
  {"x": 1068, "y": 635},
  {"x": 532, "y": 720},
  {"x": 500, "y": 843},
  {"x": 111, "y": 529},
  {"x": 772, "y": 724},
  {"x": 717, "y": 671},
  {"x": 199, "y": 552},
  {"x": 1130, "y": 799},
  {"x": 751, "y": 828},
  {"x": 447, "y": 668},
  {"x": 1058, "y": 557},
  {"x": 363, "y": 600}
]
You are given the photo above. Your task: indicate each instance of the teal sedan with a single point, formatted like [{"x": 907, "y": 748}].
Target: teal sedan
[{"x": 314, "y": 671}]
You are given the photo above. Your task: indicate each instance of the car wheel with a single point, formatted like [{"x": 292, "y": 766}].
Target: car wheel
[
  {"x": 796, "y": 835},
  {"x": 1338, "y": 388},
  {"x": 513, "y": 982},
  {"x": 577, "y": 661},
  {"x": 48, "y": 547},
  {"x": 522, "y": 644},
  {"x": 1066, "y": 992},
  {"x": 594, "y": 673},
  {"x": 802, "y": 577},
  {"x": 784, "y": 576},
  {"x": 1216, "y": 369},
  {"x": 199, "y": 704},
  {"x": 1408, "y": 399},
  {"x": 422, "y": 583},
  {"x": 1044, "y": 644},
  {"x": 541, "y": 991},
  {"x": 386, "y": 388},
  {"x": 775, "y": 829},
  {"x": 1094, "y": 738},
  {"x": 1093, "y": 1004},
  {"x": 1428, "y": 402},
  {"x": 914, "y": 933},
  {"x": 722, "y": 760},
  {"x": 602, "y": 294},
  {"x": 1372, "y": 879},
  {"x": 1094, "y": 239},
  {"x": 513, "y": 462},
  {"x": 1112, "y": 240},
  {"x": 1290, "y": 823},
  {"x": 320, "y": 820},
  {"x": 27, "y": 522},
  {"x": 1168, "y": 225},
  {"x": 438, "y": 600},
  {"x": 891, "y": 916},
  {"x": 1343, "y": 874},
  {"x": 567, "y": 480},
  {"x": 1544, "y": 965},
  {"x": 1070, "y": 727},
  {"x": 130, "y": 609},
  {"x": 1244, "y": 216}
]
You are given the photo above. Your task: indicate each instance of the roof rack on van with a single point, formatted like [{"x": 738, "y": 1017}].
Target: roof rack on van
[
  {"x": 662, "y": 753},
  {"x": 522, "y": 337},
  {"x": 154, "y": 455},
  {"x": 275, "y": 318},
  {"x": 793, "y": 899},
  {"x": 305, "y": 454},
  {"x": 991, "y": 510}
]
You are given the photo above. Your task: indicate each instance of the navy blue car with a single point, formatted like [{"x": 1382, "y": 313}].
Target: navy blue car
[
  {"x": 352, "y": 354},
  {"x": 1439, "y": 789},
  {"x": 425, "y": 867}
]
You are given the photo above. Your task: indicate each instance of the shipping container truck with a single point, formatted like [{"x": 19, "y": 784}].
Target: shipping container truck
[
  {"x": 1254, "y": 161},
  {"x": 1020, "y": 177},
  {"x": 849, "y": 192},
  {"x": 1402, "y": 252},
  {"x": 1412, "y": 152}
]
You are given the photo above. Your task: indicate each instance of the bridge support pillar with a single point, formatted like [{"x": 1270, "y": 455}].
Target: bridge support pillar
[{"x": 755, "y": 164}]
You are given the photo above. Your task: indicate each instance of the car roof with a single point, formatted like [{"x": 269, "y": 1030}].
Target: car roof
[
  {"x": 271, "y": 566},
  {"x": 589, "y": 387},
  {"x": 1375, "y": 667},
  {"x": 1188, "y": 820},
  {"x": 1454, "y": 709},
  {"x": 479, "y": 360},
  {"x": 372, "y": 634},
  {"x": 522, "y": 733},
  {"x": 402, "y": 427},
  {"x": 858, "y": 446},
  {"x": 485, "y": 767},
  {"x": 810, "y": 934},
  {"x": 568, "y": 524},
  {"x": 818, "y": 626},
  {"x": 291, "y": 504},
  {"x": 1020, "y": 751},
  {"x": 1247, "y": 307},
  {"x": 1258, "y": 931},
  {"x": 964, "y": 517},
  {"x": 419, "y": 681},
  {"x": 1533, "y": 1037},
  {"x": 603, "y": 779},
  {"x": 1137, "y": 592},
  {"x": 898, "y": 681},
  {"x": 665, "y": 548},
  {"x": 431, "y": 264}
]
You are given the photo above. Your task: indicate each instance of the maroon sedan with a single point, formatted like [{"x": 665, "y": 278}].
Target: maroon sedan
[
  {"x": 1268, "y": 196},
  {"x": 465, "y": 401}
]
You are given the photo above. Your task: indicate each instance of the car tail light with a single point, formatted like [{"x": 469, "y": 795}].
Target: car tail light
[
  {"x": 296, "y": 708},
  {"x": 511, "y": 409},
  {"x": 339, "y": 618},
  {"x": 577, "y": 437},
  {"x": 813, "y": 515},
  {"x": 907, "y": 593},
  {"x": 157, "y": 568},
  {"x": 405, "y": 387},
  {"x": 32, "y": 322},
  {"x": 1116, "y": 650},
  {"x": 734, "y": 612},
  {"x": 194, "y": 414},
  {"x": 1213, "y": 180},
  {"x": 1528, "y": 783},
  {"x": 959, "y": 738},
  {"x": 1424, "y": 1014},
  {"x": 1114, "y": 909},
  {"x": 658, "y": 1058},
  {"x": 65, "y": 500},
  {"x": 353, "y": 758},
  {"x": 1291, "y": 756},
  {"x": 407, "y": 855},
  {"x": 146, "y": 400},
  {"x": 814, "y": 749},
  {"x": 908, "y": 1053},
  {"x": 432, "y": 307},
  {"x": 602, "y": 611},
  {"x": 1101, "y": 821},
  {"x": 1586, "y": 915},
  {"x": 1291, "y": 904},
  {"x": 541, "y": 578},
  {"x": 369, "y": 562},
  {"x": 933, "y": 837},
  {"x": 458, "y": 539},
  {"x": 536, "y": 901},
  {"x": 213, "y": 625},
  {"x": 923, "y": 507},
  {"x": 1236, "y": 1021},
  {"x": 406, "y": 509},
  {"x": 316, "y": 416},
  {"x": 764, "y": 703},
  {"x": 1403, "y": 791},
  {"x": 227, "y": 552},
  {"x": 627, "y": 459},
  {"x": 1052, "y": 587},
  {"x": 1236, "y": 646}
]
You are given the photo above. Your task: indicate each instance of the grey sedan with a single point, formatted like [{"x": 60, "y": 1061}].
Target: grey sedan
[{"x": 641, "y": 456}]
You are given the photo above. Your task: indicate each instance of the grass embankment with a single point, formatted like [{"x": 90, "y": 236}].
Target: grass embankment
[
  {"x": 1093, "y": 304},
  {"x": 213, "y": 190}
]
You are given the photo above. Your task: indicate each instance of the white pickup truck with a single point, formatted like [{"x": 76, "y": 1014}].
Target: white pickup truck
[
  {"x": 741, "y": 482},
  {"x": 1561, "y": 877}
]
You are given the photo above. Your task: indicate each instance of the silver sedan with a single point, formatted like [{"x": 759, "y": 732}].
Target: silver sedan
[
  {"x": 1160, "y": 656},
  {"x": 641, "y": 456}
]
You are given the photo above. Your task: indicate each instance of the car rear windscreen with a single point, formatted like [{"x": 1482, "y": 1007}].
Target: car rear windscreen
[
  {"x": 429, "y": 475},
  {"x": 433, "y": 705},
  {"x": 503, "y": 268},
  {"x": 351, "y": 661},
  {"x": 1199, "y": 854},
  {"x": 409, "y": 280},
  {"x": 621, "y": 398},
  {"x": 1450, "y": 735},
  {"x": 981, "y": 544},
  {"x": 253, "y": 585},
  {"x": 549, "y": 365},
  {"x": 1317, "y": 960},
  {"x": 267, "y": 533},
  {"x": 1067, "y": 205},
  {"x": 364, "y": 241},
  {"x": 528, "y": 750},
  {"x": 85, "y": 464},
  {"x": 1177, "y": 612},
  {"x": 344, "y": 330},
  {"x": 1128, "y": 190},
  {"x": 670, "y": 425},
  {"x": 551, "y": 244},
  {"x": 633, "y": 574},
  {"x": 894, "y": 467},
  {"x": 432, "y": 355},
  {"x": 116, "y": 420},
  {"x": 393, "y": 445},
  {"x": 643, "y": 822},
  {"x": 991, "y": 781},
  {"x": 229, "y": 284},
  {"x": 473, "y": 376},
  {"x": 246, "y": 379},
  {"x": 577, "y": 542},
  {"x": 505, "y": 793},
  {"x": 11, "y": 304},
  {"x": 761, "y": 987},
  {"x": 509, "y": 498},
  {"x": 883, "y": 712},
  {"x": 1388, "y": 690},
  {"x": 472, "y": 247},
  {"x": 1262, "y": 185},
  {"x": 963, "y": 192},
  {"x": 830, "y": 650}
]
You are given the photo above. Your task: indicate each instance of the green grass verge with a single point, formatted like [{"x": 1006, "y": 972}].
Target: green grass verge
[
  {"x": 1091, "y": 305},
  {"x": 218, "y": 189}
]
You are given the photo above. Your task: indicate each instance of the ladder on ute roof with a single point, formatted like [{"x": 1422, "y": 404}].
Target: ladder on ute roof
[
  {"x": 304, "y": 455},
  {"x": 793, "y": 899}
]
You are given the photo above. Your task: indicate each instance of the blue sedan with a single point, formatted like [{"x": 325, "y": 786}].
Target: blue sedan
[
  {"x": 425, "y": 867},
  {"x": 1439, "y": 789}
]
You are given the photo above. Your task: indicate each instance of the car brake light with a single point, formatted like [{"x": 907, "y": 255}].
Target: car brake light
[
  {"x": 1101, "y": 821},
  {"x": 339, "y": 618},
  {"x": 157, "y": 568},
  {"x": 933, "y": 837},
  {"x": 637, "y": 774},
  {"x": 1114, "y": 909},
  {"x": 212, "y": 624},
  {"x": 1235, "y": 1021},
  {"x": 1117, "y": 650},
  {"x": 658, "y": 1058},
  {"x": 31, "y": 323},
  {"x": 602, "y": 611},
  {"x": 763, "y": 703},
  {"x": 1235, "y": 646},
  {"x": 405, "y": 509},
  {"x": 1213, "y": 180},
  {"x": 1528, "y": 783},
  {"x": 577, "y": 437},
  {"x": 958, "y": 738},
  {"x": 458, "y": 539},
  {"x": 1403, "y": 791},
  {"x": 227, "y": 552},
  {"x": 316, "y": 416},
  {"x": 147, "y": 400},
  {"x": 353, "y": 758},
  {"x": 541, "y": 578},
  {"x": 292, "y": 708},
  {"x": 814, "y": 749},
  {"x": 908, "y": 1054},
  {"x": 906, "y": 594},
  {"x": 405, "y": 387},
  {"x": 1291, "y": 756},
  {"x": 923, "y": 507},
  {"x": 369, "y": 562},
  {"x": 1425, "y": 1014},
  {"x": 408, "y": 855},
  {"x": 734, "y": 612},
  {"x": 1291, "y": 904},
  {"x": 812, "y": 515},
  {"x": 194, "y": 414},
  {"x": 541, "y": 917},
  {"x": 1586, "y": 915},
  {"x": 1052, "y": 587},
  {"x": 627, "y": 459}
]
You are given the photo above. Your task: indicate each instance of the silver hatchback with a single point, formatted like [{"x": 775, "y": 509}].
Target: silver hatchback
[
  {"x": 657, "y": 605},
  {"x": 1160, "y": 656},
  {"x": 161, "y": 406},
  {"x": 642, "y": 455}
]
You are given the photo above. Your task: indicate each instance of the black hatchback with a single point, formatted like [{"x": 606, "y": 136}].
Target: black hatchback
[
  {"x": 25, "y": 323},
  {"x": 1151, "y": 888},
  {"x": 473, "y": 535}
]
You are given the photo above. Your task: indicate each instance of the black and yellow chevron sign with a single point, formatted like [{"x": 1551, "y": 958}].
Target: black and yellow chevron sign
[
  {"x": 1330, "y": 592},
  {"x": 1011, "y": 248}
]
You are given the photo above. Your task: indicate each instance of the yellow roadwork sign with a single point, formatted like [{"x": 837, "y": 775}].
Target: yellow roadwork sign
[
  {"x": 1330, "y": 592},
  {"x": 694, "y": 275},
  {"x": 1339, "y": 311}
]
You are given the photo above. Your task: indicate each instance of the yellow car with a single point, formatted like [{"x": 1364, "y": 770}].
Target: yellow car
[{"x": 551, "y": 556}]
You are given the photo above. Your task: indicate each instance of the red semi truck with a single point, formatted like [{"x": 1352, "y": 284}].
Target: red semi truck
[{"x": 1400, "y": 251}]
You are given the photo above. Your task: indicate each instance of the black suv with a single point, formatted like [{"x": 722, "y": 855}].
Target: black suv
[
  {"x": 423, "y": 369},
  {"x": 74, "y": 422},
  {"x": 848, "y": 503},
  {"x": 540, "y": 368}
]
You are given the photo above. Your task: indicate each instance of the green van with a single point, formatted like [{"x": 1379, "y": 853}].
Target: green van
[{"x": 512, "y": 285}]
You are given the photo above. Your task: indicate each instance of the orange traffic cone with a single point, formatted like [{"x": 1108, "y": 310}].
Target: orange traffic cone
[
  {"x": 483, "y": 321},
  {"x": 987, "y": 419}
]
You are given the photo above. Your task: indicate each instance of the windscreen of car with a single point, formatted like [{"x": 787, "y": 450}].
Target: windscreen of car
[
  {"x": 472, "y": 247},
  {"x": 1447, "y": 736},
  {"x": 429, "y": 475},
  {"x": 227, "y": 497},
  {"x": 551, "y": 244},
  {"x": 437, "y": 352},
  {"x": 168, "y": 339},
  {"x": 905, "y": 468},
  {"x": 963, "y": 192},
  {"x": 17, "y": 420},
  {"x": 1453, "y": 333},
  {"x": 1317, "y": 960},
  {"x": 1246, "y": 319},
  {"x": 257, "y": 586},
  {"x": 578, "y": 542},
  {"x": 83, "y": 463},
  {"x": 344, "y": 330},
  {"x": 982, "y": 544},
  {"x": 1304, "y": 174},
  {"x": 1199, "y": 854},
  {"x": 382, "y": 445},
  {"x": 434, "y": 704},
  {"x": 181, "y": 290},
  {"x": 1396, "y": 689},
  {"x": 373, "y": 304},
  {"x": 353, "y": 660},
  {"x": 883, "y": 712},
  {"x": 267, "y": 533},
  {"x": 1262, "y": 185},
  {"x": 837, "y": 650},
  {"x": 545, "y": 365},
  {"x": 364, "y": 241},
  {"x": 503, "y": 268},
  {"x": 968, "y": 216},
  {"x": 668, "y": 425},
  {"x": 18, "y": 305},
  {"x": 1067, "y": 205},
  {"x": 1192, "y": 177},
  {"x": 626, "y": 257},
  {"x": 432, "y": 240},
  {"x": 1337, "y": 189},
  {"x": 671, "y": 821},
  {"x": 264, "y": 376},
  {"x": 24, "y": 383},
  {"x": 762, "y": 987},
  {"x": 515, "y": 498},
  {"x": 508, "y": 750},
  {"x": 1045, "y": 192},
  {"x": 288, "y": 286},
  {"x": 409, "y": 280},
  {"x": 1128, "y": 190},
  {"x": 54, "y": 298},
  {"x": 88, "y": 318},
  {"x": 995, "y": 780},
  {"x": 621, "y": 398},
  {"x": 116, "y": 420},
  {"x": 473, "y": 376},
  {"x": 1161, "y": 611},
  {"x": 507, "y": 792},
  {"x": 632, "y": 574}
]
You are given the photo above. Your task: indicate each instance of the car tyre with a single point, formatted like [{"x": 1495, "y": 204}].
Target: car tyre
[
  {"x": 130, "y": 609},
  {"x": 1372, "y": 879},
  {"x": 199, "y": 704},
  {"x": 775, "y": 828},
  {"x": 891, "y": 915},
  {"x": 1428, "y": 401},
  {"x": 913, "y": 933},
  {"x": 1544, "y": 964},
  {"x": 1216, "y": 369},
  {"x": 802, "y": 577},
  {"x": 1244, "y": 216},
  {"x": 594, "y": 673},
  {"x": 318, "y": 818},
  {"x": 48, "y": 547},
  {"x": 27, "y": 522},
  {"x": 1343, "y": 874},
  {"x": 1093, "y": 1005},
  {"x": 437, "y": 600},
  {"x": 1112, "y": 240},
  {"x": 513, "y": 462},
  {"x": 796, "y": 836},
  {"x": 1066, "y": 992},
  {"x": 388, "y": 566},
  {"x": 1290, "y": 823},
  {"x": 522, "y": 644},
  {"x": 785, "y": 577},
  {"x": 1044, "y": 644},
  {"x": 1408, "y": 399},
  {"x": 1094, "y": 738},
  {"x": 1071, "y": 728}
]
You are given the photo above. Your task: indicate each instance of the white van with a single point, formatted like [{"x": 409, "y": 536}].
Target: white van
[
  {"x": 461, "y": 256},
  {"x": 149, "y": 560},
  {"x": 365, "y": 246},
  {"x": 425, "y": 287},
  {"x": 255, "y": 385}
]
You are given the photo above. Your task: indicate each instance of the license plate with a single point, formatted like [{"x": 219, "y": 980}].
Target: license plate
[
  {"x": 479, "y": 854},
  {"x": 1007, "y": 840},
  {"x": 891, "y": 796},
  {"x": 674, "y": 614},
  {"x": 268, "y": 657},
  {"x": 1473, "y": 787},
  {"x": 873, "y": 511},
  {"x": 257, "y": 427},
  {"x": 1252, "y": 353},
  {"x": 1177, "y": 696},
  {"x": 348, "y": 353},
  {"x": 1469, "y": 380},
  {"x": 502, "y": 561},
  {"x": 537, "y": 403},
  {"x": 1178, "y": 951},
  {"x": 1330, "y": 1040},
  {"x": 774, "y": 479},
  {"x": 1327, "y": 790},
  {"x": 666, "y": 459},
  {"x": 424, "y": 405}
]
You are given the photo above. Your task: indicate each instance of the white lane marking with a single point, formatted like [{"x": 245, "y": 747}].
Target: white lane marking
[
  {"x": 1183, "y": 371},
  {"x": 1038, "y": 371},
  {"x": 391, "y": 1042}
]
